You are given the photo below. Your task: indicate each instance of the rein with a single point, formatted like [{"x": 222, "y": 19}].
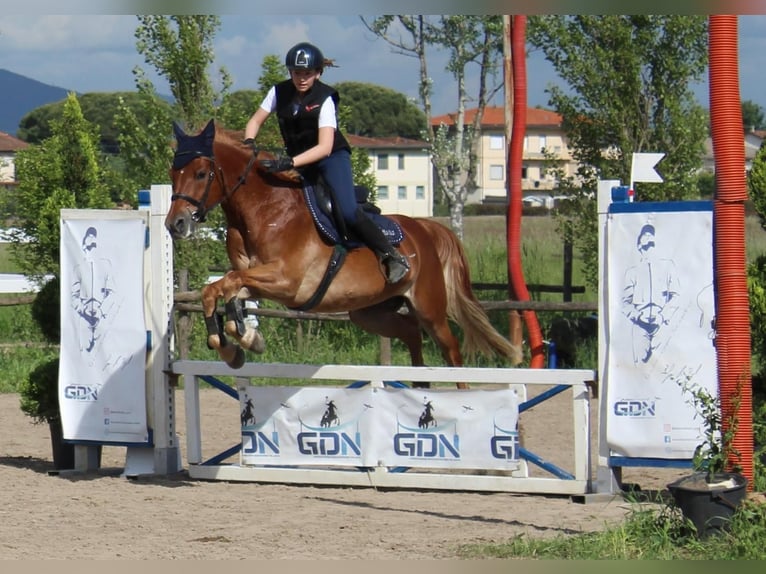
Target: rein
[{"x": 201, "y": 204}]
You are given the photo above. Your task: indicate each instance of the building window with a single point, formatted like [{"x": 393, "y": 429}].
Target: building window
[
  {"x": 543, "y": 143},
  {"x": 401, "y": 192},
  {"x": 383, "y": 161},
  {"x": 401, "y": 161},
  {"x": 524, "y": 172},
  {"x": 496, "y": 172},
  {"x": 420, "y": 192},
  {"x": 496, "y": 142},
  {"x": 382, "y": 192}
]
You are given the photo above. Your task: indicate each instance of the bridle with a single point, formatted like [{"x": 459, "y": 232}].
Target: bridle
[{"x": 200, "y": 215}]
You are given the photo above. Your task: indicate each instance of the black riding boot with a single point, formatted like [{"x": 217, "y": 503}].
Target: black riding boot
[{"x": 396, "y": 265}]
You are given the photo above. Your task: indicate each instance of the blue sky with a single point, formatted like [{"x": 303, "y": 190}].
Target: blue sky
[{"x": 96, "y": 53}]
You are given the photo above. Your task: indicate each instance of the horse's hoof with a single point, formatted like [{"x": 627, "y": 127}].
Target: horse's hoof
[
  {"x": 230, "y": 328},
  {"x": 254, "y": 341},
  {"x": 213, "y": 342},
  {"x": 238, "y": 360},
  {"x": 228, "y": 353}
]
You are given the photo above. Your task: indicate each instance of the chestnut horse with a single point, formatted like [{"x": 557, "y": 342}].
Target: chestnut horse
[{"x": 277, "y": 253}]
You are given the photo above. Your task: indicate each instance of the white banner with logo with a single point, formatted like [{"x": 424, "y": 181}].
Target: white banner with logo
[
  {"x": 661, "y": 309},
  {"x": 379, "y": 427},
  {"x": 102, "y": 389}
]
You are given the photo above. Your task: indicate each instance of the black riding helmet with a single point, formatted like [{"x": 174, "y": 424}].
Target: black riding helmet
[{"x": 304, "y": 56}]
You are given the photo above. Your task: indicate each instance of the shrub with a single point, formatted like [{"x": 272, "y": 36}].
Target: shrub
[{"x": 39, "y": 392}]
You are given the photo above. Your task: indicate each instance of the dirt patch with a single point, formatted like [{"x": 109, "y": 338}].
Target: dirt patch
[{"x": 105, "y": 516}]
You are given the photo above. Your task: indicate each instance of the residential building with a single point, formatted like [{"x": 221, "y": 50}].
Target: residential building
[
  {"x": 544, "y": 135},
  {"x": 9, "y": 145},
  {"x": 403, "y": 172},
  {"x": 753, "y": 140}
]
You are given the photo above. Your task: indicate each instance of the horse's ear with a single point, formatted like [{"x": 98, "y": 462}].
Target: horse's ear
[
  {"x": 209, "y": 130},
  {"x": 177, "y": 131},
  {"x": 208, "y": 133}
]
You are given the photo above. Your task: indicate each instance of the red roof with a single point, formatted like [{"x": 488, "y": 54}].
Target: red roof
[
  {"x": 495, "y": 116},
  {"x": 397, "y": 142},
  {"x": 10, "y": 143}
]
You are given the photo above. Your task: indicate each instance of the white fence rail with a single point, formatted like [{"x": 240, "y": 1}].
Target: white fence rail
[
  {"x": 16, "y": 283},
  {"x": 576, "y": 482}
]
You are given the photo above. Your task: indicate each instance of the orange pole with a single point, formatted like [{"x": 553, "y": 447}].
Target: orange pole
[
  {"x": 732, "y": 301},
  {"x": 515, "y": 154}
]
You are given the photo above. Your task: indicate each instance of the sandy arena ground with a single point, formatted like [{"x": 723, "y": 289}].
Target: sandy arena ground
[{"x": 102, "y": 515}]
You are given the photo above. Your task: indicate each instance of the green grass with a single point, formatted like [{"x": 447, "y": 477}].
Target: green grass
[
  {"x": 22, "y": 346},
  {"x": 6, "y": 263},
  {"x": 651, "y": 531},
  {"x": 541, "y": 251},
  {"x": 16, "y": 362}
]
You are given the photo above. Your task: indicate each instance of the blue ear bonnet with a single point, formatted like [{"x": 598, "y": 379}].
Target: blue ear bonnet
[{"x": 191, "y": 147}]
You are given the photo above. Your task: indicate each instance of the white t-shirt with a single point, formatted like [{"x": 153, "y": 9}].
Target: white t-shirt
[{"x": 326, "y": 113}]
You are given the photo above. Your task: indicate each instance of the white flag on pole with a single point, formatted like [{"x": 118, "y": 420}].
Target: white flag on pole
[{"x": 642, "y": 168}]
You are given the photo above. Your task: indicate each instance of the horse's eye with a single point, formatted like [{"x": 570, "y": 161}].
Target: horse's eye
[{"x": 201, "y": 174}]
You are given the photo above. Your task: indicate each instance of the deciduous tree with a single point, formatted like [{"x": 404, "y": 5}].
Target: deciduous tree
[
  {"x": 180, "y": 48},
  {"x": 470, "y": 41},
  {"x": 62, "y": 171},
  {"x": 756, "y": 270},
  {"x": 98, "y": 108},
  {"x": 627, "y": 90},
  {"x": 377, "y": 111},
  {"x": 752, "y": 116}
]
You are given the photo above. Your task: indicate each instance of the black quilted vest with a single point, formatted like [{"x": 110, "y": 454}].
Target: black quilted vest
[{"x": 299, "y": 122}]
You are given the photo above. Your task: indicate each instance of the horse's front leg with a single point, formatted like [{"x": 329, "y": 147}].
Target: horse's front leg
[
  {"x": 230, "y": 353},
  {"x": 236, "y": 326},
  {"x": 266, "y": 281}
]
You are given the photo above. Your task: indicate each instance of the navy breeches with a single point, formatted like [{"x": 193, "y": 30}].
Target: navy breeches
[{"x": 336, "y": 171}]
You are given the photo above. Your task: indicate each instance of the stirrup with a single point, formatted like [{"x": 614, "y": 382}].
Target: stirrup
[{"x": 396, "y": 267}]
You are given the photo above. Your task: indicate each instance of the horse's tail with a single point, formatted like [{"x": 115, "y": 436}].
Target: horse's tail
[{"x": 479, "y": 336}]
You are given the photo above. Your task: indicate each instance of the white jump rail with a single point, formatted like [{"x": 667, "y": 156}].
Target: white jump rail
[{"x": 381, "y": 477}]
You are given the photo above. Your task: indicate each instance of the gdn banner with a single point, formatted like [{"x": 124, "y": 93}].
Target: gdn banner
[
  {"x": 102, "y": 381},
  {"x": 379, "y": 427}
]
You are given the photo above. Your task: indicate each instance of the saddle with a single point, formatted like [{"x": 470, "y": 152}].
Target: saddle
[
  {"x": 329, "y": 222},
  {"x": 331, "y": 227}
]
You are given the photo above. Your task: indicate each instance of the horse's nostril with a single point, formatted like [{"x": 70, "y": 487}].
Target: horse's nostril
[{"x": 177, "y": 227}]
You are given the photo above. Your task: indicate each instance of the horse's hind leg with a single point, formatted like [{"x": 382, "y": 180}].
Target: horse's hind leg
[
  {"x": 435, "y": 323},
  {"x": 385, "y": 320}
]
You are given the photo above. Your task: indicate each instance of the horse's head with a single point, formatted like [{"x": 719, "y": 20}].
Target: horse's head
[
  {"x": 193, "y": 175},
  {"x": 199, "y": 177},
  {"x": 202, "y": 166}
]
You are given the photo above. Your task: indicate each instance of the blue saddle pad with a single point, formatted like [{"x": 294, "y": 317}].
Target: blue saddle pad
[{"x": 327, "y": 229}]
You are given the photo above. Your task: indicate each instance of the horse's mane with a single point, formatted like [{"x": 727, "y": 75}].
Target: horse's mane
[{"x": 231, "y": 137}]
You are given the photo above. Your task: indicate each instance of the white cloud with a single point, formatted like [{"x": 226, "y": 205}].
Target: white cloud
[
  {"x": 232, "y": 47},
  {"x": 67, "y": 33}
]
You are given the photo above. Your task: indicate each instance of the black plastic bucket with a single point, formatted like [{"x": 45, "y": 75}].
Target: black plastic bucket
[{"x": 707, "y": 506}]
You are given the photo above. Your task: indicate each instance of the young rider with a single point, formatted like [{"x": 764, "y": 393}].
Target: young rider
[{"x": 307, "y": 112}]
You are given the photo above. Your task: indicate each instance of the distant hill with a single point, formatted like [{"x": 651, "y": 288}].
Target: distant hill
[{"x": 20, "y": 95}]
